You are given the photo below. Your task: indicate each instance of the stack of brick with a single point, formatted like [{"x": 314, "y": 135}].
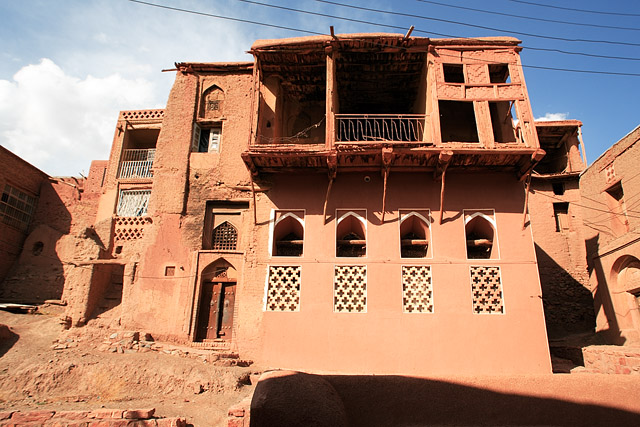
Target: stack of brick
[
  {"x": 97, "y": 418},
  {"x": 611, "y": 359},
  {"x": 240, "y": 414}
]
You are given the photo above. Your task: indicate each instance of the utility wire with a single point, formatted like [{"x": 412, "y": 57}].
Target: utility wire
[
  {"x": 318, "y": 33},
  {"x": 483, "y": 27},
  {"x": 531, "y": 18},
  {"x": 359, "y": 21},
  {"x": 598, "y": 12}
]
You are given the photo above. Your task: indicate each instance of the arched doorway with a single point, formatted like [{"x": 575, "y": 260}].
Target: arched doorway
[{"x": 217, "y": 302}]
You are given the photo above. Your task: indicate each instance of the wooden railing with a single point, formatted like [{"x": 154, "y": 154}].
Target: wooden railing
[
  {"x": 379, "y": 127},
  {"x": 137, "y": 163}
]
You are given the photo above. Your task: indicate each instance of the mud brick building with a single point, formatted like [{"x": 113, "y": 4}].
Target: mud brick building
[
  {"x": 333, "y": 204},
  {"x": 609, "y": 188},
  {"x": 556, "y": 222}
]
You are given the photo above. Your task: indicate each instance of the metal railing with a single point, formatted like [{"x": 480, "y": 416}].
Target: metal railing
[
  {"x": 137, "y": 163},
  {"x": 379, "y": 127}
]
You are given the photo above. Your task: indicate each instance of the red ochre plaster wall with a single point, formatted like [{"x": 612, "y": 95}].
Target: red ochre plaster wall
[{"x": 385, "y": 340}]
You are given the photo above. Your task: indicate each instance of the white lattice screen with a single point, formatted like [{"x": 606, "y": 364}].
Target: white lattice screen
[
  {"x": 417, "y": 292},
  {"x": 133, "y": 202},
  {"x": 283, "y": 293},
  {"x": 486, "y": 289},
  {"x": 350, "y": 289}
]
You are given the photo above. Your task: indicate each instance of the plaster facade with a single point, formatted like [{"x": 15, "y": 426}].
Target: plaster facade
[{"x": 609, "y": 189}]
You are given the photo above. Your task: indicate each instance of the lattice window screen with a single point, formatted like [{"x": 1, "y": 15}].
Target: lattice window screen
[
  {"x": 486, "y": 289},
  {"x": 350, "y": 289},
  {"x": 283, "y": 293},
  {"x": 16, "y": 207},
  {"x": 133, "y": 202},
  {"x": 225, "y": 237},
  {"x": 417, "y": 292}
]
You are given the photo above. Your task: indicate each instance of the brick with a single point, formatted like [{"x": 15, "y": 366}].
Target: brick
[
  {"x": 235, "y": 422},
  {"x": 171, "y": 422},
  {"x": 31, "y": 417},
  {"x": 106, "y": 413},
  {"x": 72, "y": 415},
  {"x": 140, "y": 423},
  {"x": 236, "y": 412},
  {"x": 140, "y": 414}
]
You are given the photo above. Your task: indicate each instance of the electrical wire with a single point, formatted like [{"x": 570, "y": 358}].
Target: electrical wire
[
  {"x": 360, "y": 21},
  {"x": 598, "y": 12},
  {"x": 482, "y": 27},
  {"x": 372, "y": 43},
  {"x": 531, "y": 18}
]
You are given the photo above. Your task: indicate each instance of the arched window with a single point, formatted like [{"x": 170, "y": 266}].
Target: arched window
[
  {"x": 212, "y": 103},
  {"x": 288, "y": 233},
  {"x": 225, "y": 237},
  {"x": 351, "y": 233},
  {"x": 480, "y": 230},
  {"x": 414, "y": 234}
]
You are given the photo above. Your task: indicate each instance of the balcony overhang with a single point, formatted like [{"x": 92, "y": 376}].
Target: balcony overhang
[{"x": 406, "y": 157}]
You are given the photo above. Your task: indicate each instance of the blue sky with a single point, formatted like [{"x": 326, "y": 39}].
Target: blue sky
[{"x": 67, "y": 67}]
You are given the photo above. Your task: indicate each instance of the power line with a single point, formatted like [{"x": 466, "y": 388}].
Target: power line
[
  {"x": 317, "y": 33},
  {"x": 531, "y": 18},
  {"x": 483, "y": 27},
  {"x": 359, "y": 21},
  {"x": 599, "y": 12}
]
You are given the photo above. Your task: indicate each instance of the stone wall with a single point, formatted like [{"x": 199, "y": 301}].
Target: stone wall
[{"x": 96, "y": 418}]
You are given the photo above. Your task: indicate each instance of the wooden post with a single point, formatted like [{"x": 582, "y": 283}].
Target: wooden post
[
  {"x": 444, "y": 173},
  {"x": 584, "y": 152},
  {"x": 385, "y": 174},
  {"x": 253, "y": 194},
  {"x": 526, "y": 201},
  {"x": 326, "y": 199}
]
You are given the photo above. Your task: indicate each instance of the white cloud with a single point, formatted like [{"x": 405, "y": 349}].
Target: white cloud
[
  {"x": 58, "y": 122},
  {"x": 550, "y": 117}
]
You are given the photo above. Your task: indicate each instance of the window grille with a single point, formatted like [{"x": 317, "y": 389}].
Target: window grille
[
  {"x": 225, "y": 237},
  {"x": 133, "y": 203},
  {"x": 16, "y": 207}
]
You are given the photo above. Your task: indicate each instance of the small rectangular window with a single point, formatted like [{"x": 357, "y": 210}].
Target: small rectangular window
[
  {"x": 170, "y": 270},
  {"x": 558, "y": 188},
  {"x": 617, "y": 208},
  {"x": 561, "y": 214},
  {"x": 206, "y": 140},
  {"x": 133, "y": 203},
  {"x": 458, "y": 121},
  {"x": 502, "y": 114},
  {"x": 499, "y": 73},
  {"x": 453, "y": 73},
  {"x": 16, "y": 207}
]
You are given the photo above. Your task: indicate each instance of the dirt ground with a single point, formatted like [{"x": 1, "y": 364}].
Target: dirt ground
[{"x": 35, "y": 376}]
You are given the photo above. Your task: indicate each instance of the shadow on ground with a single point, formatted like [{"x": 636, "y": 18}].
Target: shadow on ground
[{"x": 7, "y": 339}]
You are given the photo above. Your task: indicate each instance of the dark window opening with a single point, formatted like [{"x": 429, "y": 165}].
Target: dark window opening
[
  {"x": 458, "y": 121},
  {"x": 225, "y": 237},
  {"x": 288, "y": 234},
  {"x": 37, "y": 248},
  {"x": 351, "y": 234},
  {"x": 499, "y": 73},
  {"x": 502, "y": 114},
  {"x": 558, "y": 188},
  {"x": 207, "y": 140},
  {"x": 480, "y": 236},
  {"x": 453, "y": 73},
  {"x": 561, "y": 214},
  {"x": 414, "y": 235},
  {"x": 617, "y": 208},
  {"x": 170, "y": 271}
]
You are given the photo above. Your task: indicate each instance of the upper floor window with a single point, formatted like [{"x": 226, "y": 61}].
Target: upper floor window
[
  {"x": 453, "y": 73},
  {"x": 499, "y": 73},
  {"x": 16, "y": 207},
  {"x": 351, "y": 233},
  {"x": 415, "y": 234},
  {"x": 206, "y": 140},
  {"x": 561, "y": 214},
  {"x": 133, "y": 202},
  {"x": 288, "y": 233},
  {"x": 225, "y": 237},
  {"x": 617, "y": 208},
  {"x": 480, "y": 232}
]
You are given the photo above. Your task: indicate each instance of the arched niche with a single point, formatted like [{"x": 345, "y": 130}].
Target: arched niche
[
  {"x": 625, "y": 274},
  {"x": 212, "y": 105},
  {"x": 415, "y": 234},
  {"x": 351, "y": 234},
  {"x": 480, "y": 234},
  {"x": 288, "y": 233},
  {"x": 219, "y": 270}
]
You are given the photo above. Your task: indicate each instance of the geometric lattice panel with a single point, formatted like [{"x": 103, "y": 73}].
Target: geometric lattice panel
[
  {"x": 225, "y": 237},
  {"x": 283, "y": 293},
  {"x": 350, "y": 289},
  {"x": 130, "y": 228},
  {"x": 417, "y": 294},
  {"x": 486, "y": 290}
]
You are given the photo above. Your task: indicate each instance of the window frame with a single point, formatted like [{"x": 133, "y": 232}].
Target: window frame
[
  {"x": 20, "y": 197},
  {"x": 273, "y": 223},
  {"x": 196, "y": 137},
  {"x": 473, "y": 213},
  {"x": 143, "y": 214},
  {"x": 404, "y": 214},
  {"x": 362, "y": 219}
]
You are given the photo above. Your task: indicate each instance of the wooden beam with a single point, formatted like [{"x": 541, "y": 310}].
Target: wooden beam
[
  {"x": 444, "y": 173},
  {"x": 535, "y": 158},
  {"x": 385, "y": 175},
  {"x": 326, "y": 199},
  {"x": 584, "y": 152},
  {"x": 406, "y": 36},
  {"x": 253, "y": 194},
  {"x": 526, "y": 201}
]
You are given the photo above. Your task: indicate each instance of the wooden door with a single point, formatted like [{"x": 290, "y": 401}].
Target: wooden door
[
  {"x": 215, "y": 318},
  {"x": 228, "y": 298}
]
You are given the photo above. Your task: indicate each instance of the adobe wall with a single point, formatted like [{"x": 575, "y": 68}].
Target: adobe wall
[
  {"x": 611, "y": 239},
  {"x": 562, "y": 259},
  {"x": 24, "y": 177},
  {"x": 452, "y": 338}
]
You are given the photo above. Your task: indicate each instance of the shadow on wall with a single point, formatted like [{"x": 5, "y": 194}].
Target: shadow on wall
[
  {"x": 7, "y": 339},
  {"x": 288, "y": 399},
  {"x": 568, "y": 305},
  {"x": 602, "y": 295}
]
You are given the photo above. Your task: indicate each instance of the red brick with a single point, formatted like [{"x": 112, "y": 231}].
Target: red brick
[
  {"x": 72, "y": 415},
  {"x": 235, "y": 422},
  {"x": 106, "y": 413},
  {"x": 31, "y": 417},
  {"x": 139, "y": 414},
  {"x": 236, "y": 412},
  {"x": 171, "y": 422}
]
